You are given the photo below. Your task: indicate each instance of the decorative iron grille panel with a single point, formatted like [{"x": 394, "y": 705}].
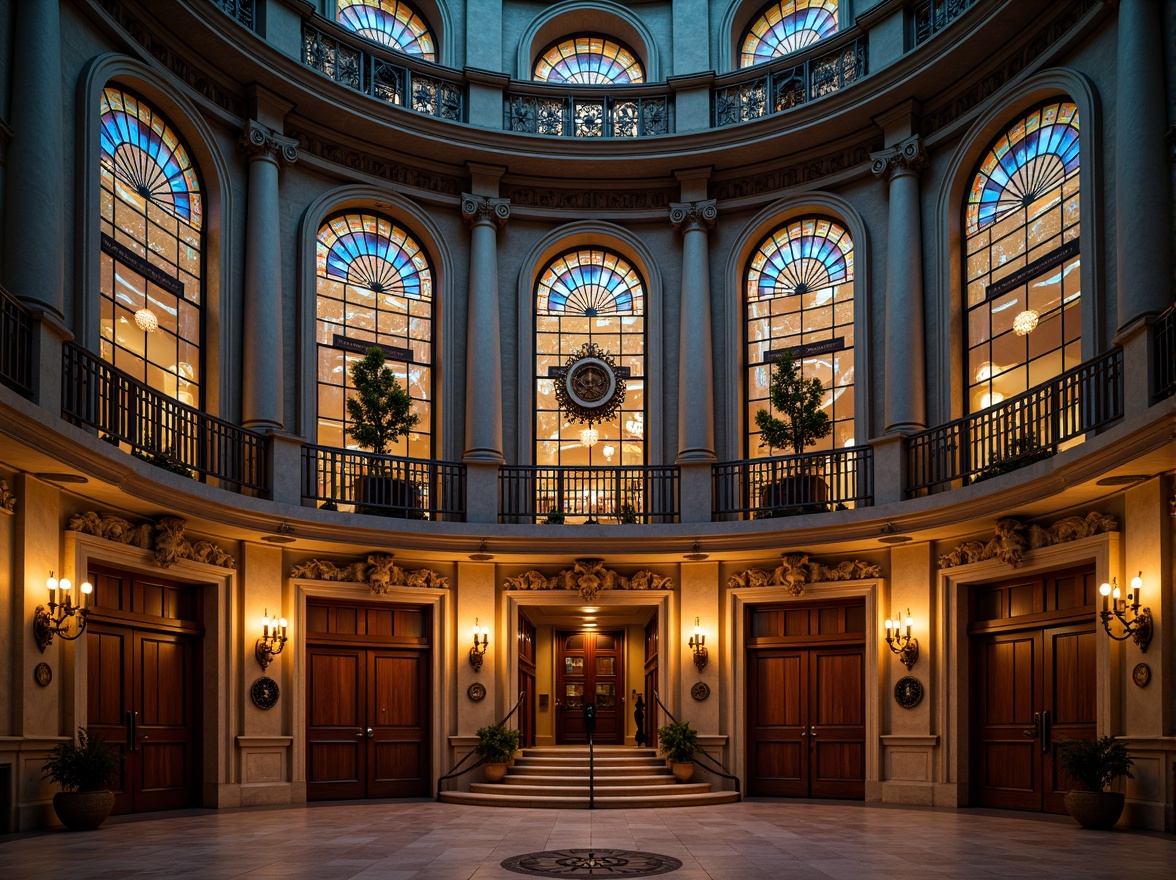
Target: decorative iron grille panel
[
  {"x": 604, "y": 116},
  {"x": 931, "y": 16},
  {"x": 1165, "y": 355},
  {"x": 241, "y": 10},
  {"x": 16, "y": 345},
  {"x": 384, "y": 485},
  {"x": 814, "y": 482},
  {"x": 646, "y": 494}
]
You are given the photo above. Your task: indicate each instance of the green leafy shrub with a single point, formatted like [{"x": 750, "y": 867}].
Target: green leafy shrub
[
  {"x": 1095, "y": 763},
  {"x": 798, "y": 401},
  {"x": 678, "y": 741},
  {"x": 88, "y": 765},
  {"x": 497, "y": 743},
  {"x": 380, "y": 410}
]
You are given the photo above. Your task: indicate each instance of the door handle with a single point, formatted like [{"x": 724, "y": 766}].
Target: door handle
[
  {"x": 804, "y": 733},
  {"x": 1034, "y": 731},
  {"x": 132, "y": 727},
  {"x": 1045, "y": 732},
  {"x": 370, "y": 733}
]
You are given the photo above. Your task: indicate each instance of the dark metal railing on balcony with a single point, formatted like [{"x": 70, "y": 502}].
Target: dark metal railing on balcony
[
  {"x": 160, "y": 429},
  {"x": 780, "y": 87},
  {"x": 16, "y": 345},
  {"x": 383, "y": 75},
  {"x": 1164, "y": 352},
  {"x": 383, "y": 485},
  {"x": 931, "y": 16},
  {"x": 814, "y": 482},
  {"x": 588, "y": 113},
  {"x": 240, "y": 10},
  {"x": 580, "y": 495},
  {"x": 1026, "y": 428}
]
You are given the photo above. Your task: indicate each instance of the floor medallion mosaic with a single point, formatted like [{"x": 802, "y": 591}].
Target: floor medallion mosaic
[{"x": 591, "y": 863}]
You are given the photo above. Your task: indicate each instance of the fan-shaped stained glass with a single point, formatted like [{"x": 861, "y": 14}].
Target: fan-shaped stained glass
[
  {"x": 590, "y": 282},
  {"x": 1034, "y": 156},
  {"x": 800, "y": 257},
  {"x": 391, "y": 23},
  {"x": 787, "y": 26},
  {"x": 368, "y": 251},
  {"x": 588, "y": 60}
]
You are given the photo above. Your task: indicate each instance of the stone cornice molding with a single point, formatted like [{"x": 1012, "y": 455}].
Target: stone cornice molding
[
  {"x": 260, "y": 142},
  {"x": 1014, "y": 538},
  {"x": 378, "y": 571},
  {"x": 906, "y": 157},
  {"x": 164, "y": 538},
  {"x": 796, "y": 570},
  {"x": 588, "y": 577},
  {"x": 687, "y": 216},
  {"x": 483, "y": 209}
]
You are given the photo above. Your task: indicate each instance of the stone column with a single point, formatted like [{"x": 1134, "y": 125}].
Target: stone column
[
  {"x": 263, "y": 386},
  {"x": 1141, "y": 199},
  {"x": 906, "y": 388},
  {"x": 696, "y": 397},
  {"x": 483, "y": 428},
  {"x": 35, "y": 176}
]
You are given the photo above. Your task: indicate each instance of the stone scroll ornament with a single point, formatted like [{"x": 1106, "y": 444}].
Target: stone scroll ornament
[
  {"x": 796, "y": 571},
  {"x": 378, "y": 571},
  {"x": 165, "y": 538},
  {"x": 1013, "y": 538},
  {"x": 7, "y": 499},
  {"x": 588, "y": 577}
]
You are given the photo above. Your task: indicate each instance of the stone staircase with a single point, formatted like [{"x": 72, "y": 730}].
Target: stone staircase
[{"x": 557, "y": 777}]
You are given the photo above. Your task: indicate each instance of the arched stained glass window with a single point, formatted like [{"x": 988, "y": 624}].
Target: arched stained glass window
[
  {"x": 151, "y": 264},
  {"x": 787, "y": 26},
  {"x": 1022, "y": 275},
  {"x": 800, "y": 298},
  {"x": 392, "y": 23},
  {"x": 374, "y": 287},
  {"x": 588, "y": 60},
  {"x": 589, "y": 295}
]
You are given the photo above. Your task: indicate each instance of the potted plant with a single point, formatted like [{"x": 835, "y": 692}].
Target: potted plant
[
  {"x": 84, "y": 771},
  {"x": 1095, "y": 764},
  {"x": 678, "y": 741},
  {"x": 803, "y": 423},
  {"x": 380, "y": 413},
  {"x": 555, "y": 517},
  {"x": 1022, "y": 450},
  {"x": 496, "y": 746}
]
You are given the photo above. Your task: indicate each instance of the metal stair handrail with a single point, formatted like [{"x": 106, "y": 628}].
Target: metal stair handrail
[
  {"x": 454, "y": 771},
  {"x": 718, "y": 769}
]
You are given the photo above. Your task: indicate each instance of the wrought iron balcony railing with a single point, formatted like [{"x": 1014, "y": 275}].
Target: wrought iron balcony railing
[
  {"x": 383, "y": 75},
  {"x": 588, "y": 113},
  {"x": 383, "y": 485},
  {"x": 779, "y": 86},
  {"x": 240, "y": 10},
  {"x": 931, "y": 16},
  {"x": 646, "y": 494},
  {"x": 814, "y": 482},
  {"x": 1018, "y": 431},
  {"x": 1164, "y": 350},
  {"x": 160, "y": 429},
  {"x": 16, "y": 345}
]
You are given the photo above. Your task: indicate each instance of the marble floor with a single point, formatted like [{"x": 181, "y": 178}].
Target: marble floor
[{"x": 424, "y": 840}]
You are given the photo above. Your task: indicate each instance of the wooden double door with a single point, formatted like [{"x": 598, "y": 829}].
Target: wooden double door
[
  {"x": 806, "y": 701},
  {"x": 590, "y": 671},
  {"x": 368, "y": 702}
]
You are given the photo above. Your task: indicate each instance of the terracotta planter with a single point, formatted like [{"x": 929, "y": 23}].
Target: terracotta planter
[
  {"x": 83, "y": 810},
  {"x": 682, "y": 772},
  {"x": 1096, "y": 810},
  {"x": 494, "y": 772}
]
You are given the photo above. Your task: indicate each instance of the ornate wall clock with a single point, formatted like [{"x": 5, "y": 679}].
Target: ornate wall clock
[
  {"x": 264, "y": 693},
  {"x": 591, "y": 387},
  {"x": 908, "y": 692}
]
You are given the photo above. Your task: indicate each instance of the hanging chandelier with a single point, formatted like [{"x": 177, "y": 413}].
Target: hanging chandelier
[{"x": 1025, "y": 323}]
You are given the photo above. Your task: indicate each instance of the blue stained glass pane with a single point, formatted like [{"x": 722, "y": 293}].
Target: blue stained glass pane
[
  {"x": 589, "y": 278},
  {"x": 802, "y": 256},
  {"x": 391, "y": 23},
  {"x": 787, "y": 26},
  {"x": 588, "y": 60}
]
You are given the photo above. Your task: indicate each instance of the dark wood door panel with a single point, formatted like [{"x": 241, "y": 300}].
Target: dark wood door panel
[
  {"x": 590, "y": 671},
  {"x": 336, "y": 723}
]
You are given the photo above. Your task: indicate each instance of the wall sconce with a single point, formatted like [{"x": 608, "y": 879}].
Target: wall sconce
[
  {"x": 698, "y": 644},
  {"x": 273, "y": 639},
  {"x": 904, "y": 645},
  {"x": 478, "y": 651},
  {"x": 1139, "y": 626},
  {"x": 64, "y": 617}
]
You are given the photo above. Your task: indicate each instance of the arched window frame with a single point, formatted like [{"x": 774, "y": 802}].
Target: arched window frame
[
  {"x": 732, "y": 429},
  {"x": 737, "y": 20},
  {"x": 611, "y": 48},
  {"x": 588, "y": 16},
  {"x": 434, "y": 39}
]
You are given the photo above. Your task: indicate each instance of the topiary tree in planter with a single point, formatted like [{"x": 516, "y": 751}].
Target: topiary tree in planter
[
  {"x": 497, "y": 744},
  {"x": 802, "y": 423},
  {"x": 84, "y": 771},
  {"x": 1095, "y": 764},
  {"x": 380, "y": 413}
]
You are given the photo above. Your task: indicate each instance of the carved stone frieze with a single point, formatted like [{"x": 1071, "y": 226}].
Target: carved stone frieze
[
  {"x": 378, "y": 571},
  {"x": 797, "y": 570},
  {"x": 693, "y": 215},
  {"x": 7, "y": 499},
  {"x": 365, "y": 163},
  {"x": 476, "y": 209},
  {"x": 794, "y": 175},
  {"x": 1013, "y": 538},
  {"x": 588, "y": 577},
  {"x": 258, "y": 141},
  {"x": 590, "y": 199},
  {"x": 906, "y": 156},
  {"x": 165, "y": 538}
]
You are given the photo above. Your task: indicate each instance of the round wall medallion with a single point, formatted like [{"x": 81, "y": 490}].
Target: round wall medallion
[
  {"x": 591, "y": 388},
  {"x": 700, "y": 691},
  {"x": 42, "y": 674},
  {"x": 1141, "y": 674},
  {"x": 476, "y": 691},
  {"x": 264, "y": 693},
  {"x": 908, "y": 692}
]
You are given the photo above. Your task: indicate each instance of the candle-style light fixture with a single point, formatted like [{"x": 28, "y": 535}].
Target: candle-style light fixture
[
  {"x": 66, "y": 614},
  {"x": 478, "y": 651},
  {"x": 1138, "y": 626},
  {"x": 902, "y": 643},
  {"x": 697, "y": 644},
  {"x": 273, "y": 639}
]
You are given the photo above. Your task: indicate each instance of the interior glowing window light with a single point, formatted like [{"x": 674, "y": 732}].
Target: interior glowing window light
[
  {"x": 787, "y": 26},
  {"x": 390, "y": 23},
  {"x": 374, "y": 285},
  {"x": 799, "y": 293},
  {"x": 588, "y": 60}
]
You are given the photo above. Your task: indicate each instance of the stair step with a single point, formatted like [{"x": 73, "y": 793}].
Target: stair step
[
  {"x": 524, "y": 800},
  {"x": 564, "y": 770},
  {"x": 670, "y": 789},
  {"x": 529, "y": 779},
  {"x": 584, "y": 760}
]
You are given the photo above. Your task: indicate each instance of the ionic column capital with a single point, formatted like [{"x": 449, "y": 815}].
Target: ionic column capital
[
  {"x": 908, "y": 156},
  {"x": 693, "y": 215},
  {"x": 480, "y": 209},
  {"x": 259, "y": 142}
]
